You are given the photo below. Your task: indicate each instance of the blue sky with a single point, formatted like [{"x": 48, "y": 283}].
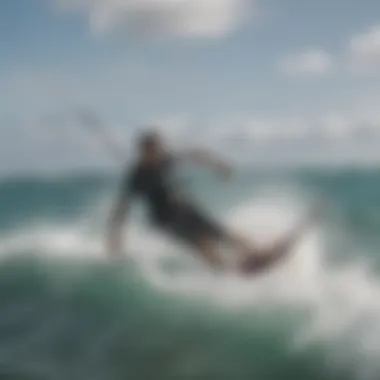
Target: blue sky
[{"x": 276, "y": 74}]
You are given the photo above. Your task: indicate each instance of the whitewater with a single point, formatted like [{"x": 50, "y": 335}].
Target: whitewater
[{"x": 67, "y": 313}]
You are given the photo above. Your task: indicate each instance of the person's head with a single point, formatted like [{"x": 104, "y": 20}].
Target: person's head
[{"x": 150, "y": 146}]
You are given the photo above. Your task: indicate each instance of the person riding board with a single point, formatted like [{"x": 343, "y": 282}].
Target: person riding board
[{"x": 152, "y": 178}]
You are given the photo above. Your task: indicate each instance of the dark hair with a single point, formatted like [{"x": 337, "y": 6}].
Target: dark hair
[{"x": 148, "y": 138}]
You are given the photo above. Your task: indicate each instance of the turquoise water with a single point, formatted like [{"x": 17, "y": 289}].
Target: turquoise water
[{"x": 68, "y": 314}]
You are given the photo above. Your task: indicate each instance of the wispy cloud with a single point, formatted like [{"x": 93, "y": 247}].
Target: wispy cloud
[
  {"x": 331, "y": 127},
  {"x": 364, "y": 49},
  {"x": 163, "y": 18},
  {"x": 309, "y": 62},
  {"x": 359, "y": 54},
  {"x": 60, "y": 142}
]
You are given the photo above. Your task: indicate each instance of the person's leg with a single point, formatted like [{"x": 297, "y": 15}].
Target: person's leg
[
  {"x": 212, "y": 232},
  {"x": 207, "y": 247},
  {"x": 241, "y": 244},
  {"x": 208, "y": 238},
  {"x": 273, "y": 253},
  {"x": 187, "y": 229}
]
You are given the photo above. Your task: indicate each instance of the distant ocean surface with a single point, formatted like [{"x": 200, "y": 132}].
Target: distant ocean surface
[{"x": 68, "y": 314}]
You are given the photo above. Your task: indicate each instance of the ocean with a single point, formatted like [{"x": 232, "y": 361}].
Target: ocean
[{"x": 67, "y": 313}]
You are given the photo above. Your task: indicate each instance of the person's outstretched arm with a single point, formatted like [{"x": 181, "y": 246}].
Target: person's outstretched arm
[
  {"x": 204, "y": 157},
  {"x": 114, "y": 243},
  {"x": 119, "y": 212}
]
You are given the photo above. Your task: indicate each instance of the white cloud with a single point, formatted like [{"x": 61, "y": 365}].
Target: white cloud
[
  {"x": 268, "y": 129},
  {"x": 60, "y": 143},
  {"x": 364, "y": 49},
  {"x": 335, "y": 126},
  {"x": 163, "y": 18},
  {"x": 342, "y": 138},
  {"x": 329, "y": 128},
  {"x": 310, "y": 62}
]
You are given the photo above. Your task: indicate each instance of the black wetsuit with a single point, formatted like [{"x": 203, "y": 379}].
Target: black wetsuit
[{"x": 168, "y": 210}]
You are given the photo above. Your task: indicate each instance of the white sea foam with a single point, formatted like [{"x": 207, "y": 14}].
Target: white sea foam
[{"x": 343, "y": 302}]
